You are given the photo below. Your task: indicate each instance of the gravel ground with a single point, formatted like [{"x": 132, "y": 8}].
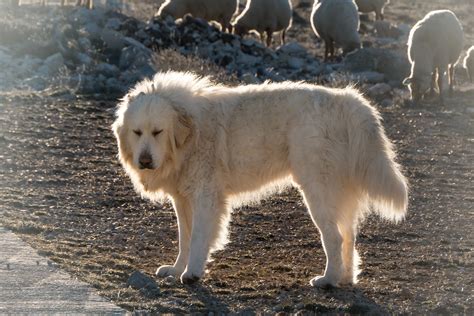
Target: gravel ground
[{"x": 64, "y": 192}]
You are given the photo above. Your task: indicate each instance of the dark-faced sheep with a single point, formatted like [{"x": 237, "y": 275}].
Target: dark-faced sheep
[
  {"x": 434, "y": 47},
  {"x": 211, "y": 10},
  {"x": 265, "y": 16},
  {"x": 336, "y": 22}
]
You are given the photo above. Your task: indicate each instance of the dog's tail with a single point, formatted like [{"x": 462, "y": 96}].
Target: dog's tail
[{"x": 374, "y": 164}]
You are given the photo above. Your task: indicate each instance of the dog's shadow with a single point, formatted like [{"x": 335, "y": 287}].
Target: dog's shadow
[{"x": 350, "y": 300}]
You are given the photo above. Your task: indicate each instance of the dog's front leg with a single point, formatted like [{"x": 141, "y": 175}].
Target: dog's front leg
[
  {"x": 183, "y": 211},
  {"x": 205, "y": 230}
]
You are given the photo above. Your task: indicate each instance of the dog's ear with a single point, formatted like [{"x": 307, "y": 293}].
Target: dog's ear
[
  {"x": 182, "y": 130},
  {"x": 120, "y": 132}
]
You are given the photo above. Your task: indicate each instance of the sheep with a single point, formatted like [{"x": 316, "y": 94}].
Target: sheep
[
  {"x": 469, "y": 63},
  {"x": 377, "y": 6},
  {"x": 434, "y": 46},
  {"x": 211, "y": 10},
  {"x": 265, "y": 16},
  {"x": 336, "y": 22}
]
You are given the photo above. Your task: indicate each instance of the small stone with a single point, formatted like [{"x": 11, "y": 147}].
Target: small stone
[
  {"x": 107, "y": 70},
  {"x": 143, "y": 283},
  {"x": 368, "y": 77},
  {"x": 112, "y": 39},
  {"x": 249, "y": 78},
  {"x": 113, "y": 24},
  {"x": 379, "y": 89},
  {"x": 292, "y": 48},
  {"x": 52, "y": 65}
]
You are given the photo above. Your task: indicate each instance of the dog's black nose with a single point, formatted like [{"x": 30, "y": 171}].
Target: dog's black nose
[{"x": 145, "y": 161}]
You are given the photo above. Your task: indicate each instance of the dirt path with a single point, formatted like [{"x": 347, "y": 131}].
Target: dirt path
[{"x": 64, "y": 192}]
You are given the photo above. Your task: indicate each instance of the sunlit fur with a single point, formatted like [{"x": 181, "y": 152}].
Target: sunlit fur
[{"x": 222, "y": 147}]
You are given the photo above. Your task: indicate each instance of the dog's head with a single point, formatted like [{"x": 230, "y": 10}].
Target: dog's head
[{"x": 151, "y": 132}]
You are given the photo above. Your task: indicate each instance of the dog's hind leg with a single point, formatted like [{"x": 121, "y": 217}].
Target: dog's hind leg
[
  {"x": 347, "y": 223},
  {"x": 184, "y": 214}
]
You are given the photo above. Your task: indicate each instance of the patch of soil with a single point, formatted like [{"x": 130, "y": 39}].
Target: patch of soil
[{"x": 64, "y": 192}]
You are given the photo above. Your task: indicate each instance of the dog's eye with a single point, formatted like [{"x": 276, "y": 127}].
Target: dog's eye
[
  {"x": 137, "y": 132},
  {"x": 156, "y": 132}
]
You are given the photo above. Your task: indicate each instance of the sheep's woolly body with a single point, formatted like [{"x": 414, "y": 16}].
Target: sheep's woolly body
[
  {"x": 336, "y": 21},
  {"x": 211, "y": 10},
  {"x": 265, "y": 16}
]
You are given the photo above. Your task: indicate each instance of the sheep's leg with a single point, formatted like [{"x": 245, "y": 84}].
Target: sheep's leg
[
  {"x": 434, "y": 77},
  {"x": 282, "y": 36},
  {"x": 269, "y": 37},
  {"x": 262, "y": 37},
  {"x": 331, "y": 49},
  {"x": 451, "y": 79},
  {"x": 440, "y": 86},
  {"x": 326, "y": 50}
]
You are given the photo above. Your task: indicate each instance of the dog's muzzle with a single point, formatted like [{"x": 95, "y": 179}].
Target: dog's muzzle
[{"x": 145, "y": 161}]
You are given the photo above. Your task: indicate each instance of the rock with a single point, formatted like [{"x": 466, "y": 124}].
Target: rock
[
  {"x": 379, "y": 89},
  {"x": 292, "y": 48},
  {"x": 386, "y": 103},
  {"x": 368, "y": 77},
  {"x": 91, "y": 30},
  {"x": 146, "y": 285},
  {"x": 113, "y": 24},
  {"x": 113, "y": 39},
  {"x": 295, "y": 63},
  {"x": 85, "y": 44},
  {"x": 247, "y": 60},
  {"x": 112, "y": 85},
  {"x": 108, "y": 70},
  {"x": 394, "y": 65},
  {"x": 386, "y": 29},
  {"x": 36, "y": 83},
  {"x": 249, "y": 78},
  {"x": 132, "y": 57},
  {"x": 52, "y": 65},
  {"x": 83, "y": 59}
]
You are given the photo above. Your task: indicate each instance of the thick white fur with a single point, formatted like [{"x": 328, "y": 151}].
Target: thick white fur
[{"x": 220, "y": 147}]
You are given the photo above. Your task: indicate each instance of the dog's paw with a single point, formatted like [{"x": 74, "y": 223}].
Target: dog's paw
[
  {"x": 189, "y": 277},
  {"x": 323, "y": 282},
  {"x": 167, "y": 270}
]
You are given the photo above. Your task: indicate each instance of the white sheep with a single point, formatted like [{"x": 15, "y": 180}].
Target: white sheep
[
  {"x": 212, "y": 10},
  {"x": 469, "y": 63},
  {"x": 377, "y": 6},
  {"x": 434, "y": 46},
  {"x": 337, "y": 23},
  {"x": 265, "y": 16}
]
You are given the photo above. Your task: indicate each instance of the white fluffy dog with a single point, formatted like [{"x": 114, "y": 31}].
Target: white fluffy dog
[{"x": 209, "y": 147}]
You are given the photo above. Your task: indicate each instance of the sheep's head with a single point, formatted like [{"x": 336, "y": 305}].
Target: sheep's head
[
  {"x": 350, "y": 47},
  {"x": 418, "y": 86}
]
